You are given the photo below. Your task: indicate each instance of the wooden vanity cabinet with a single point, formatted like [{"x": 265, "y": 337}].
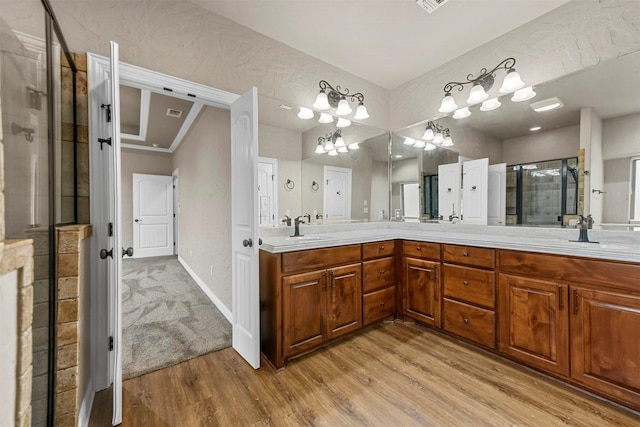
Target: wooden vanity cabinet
[
  {"x": 378, "y": 281},
  {"x": 469, "y": 293},
  {"x": 576, "y": 317},
  {"x": 421, "y": 297}
]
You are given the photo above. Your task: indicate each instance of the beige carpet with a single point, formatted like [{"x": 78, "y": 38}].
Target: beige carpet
[{"x": 166, "y": 317}]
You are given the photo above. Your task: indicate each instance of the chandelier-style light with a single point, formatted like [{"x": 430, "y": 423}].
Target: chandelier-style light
[
  {"x": 437, "y": 134},
  {"x": 480, "y": 86},
  {"x": 333, "y": 143},
  {"x": 330, "y": 97}
]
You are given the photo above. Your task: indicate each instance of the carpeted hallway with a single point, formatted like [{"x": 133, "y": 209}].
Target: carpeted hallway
[{"x": 166, "y": 318}]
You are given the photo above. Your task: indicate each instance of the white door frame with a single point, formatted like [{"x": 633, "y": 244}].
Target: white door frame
[
  {"x": 98, "y": 71},
  {"x": 274, "y": 184},
  {"x": 176, "y": 211}
]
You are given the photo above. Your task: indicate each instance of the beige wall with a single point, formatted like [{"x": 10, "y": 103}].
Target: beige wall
[
  {"x": 617, "y": 174},
  {"x": 577, "y": 35},
  {"x": 286, "y": 146},
  {"x": 203, "y": 160},
  {"x": 138, "y": 161},
  {"x": 621, "y": 136},
  {"x": 549, "y": 145}
]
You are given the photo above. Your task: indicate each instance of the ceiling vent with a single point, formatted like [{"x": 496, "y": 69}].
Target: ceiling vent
[
  {"x": 430, "y": 5},
  {"x": 172, "y": 112}
]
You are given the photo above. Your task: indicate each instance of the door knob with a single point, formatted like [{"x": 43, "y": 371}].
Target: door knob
[
  {"x": 106, "y": 253},
  {"x": 137, "y": 220},
  {"x": 128, "y": 251},
  {"x": 247, "y": 243}
]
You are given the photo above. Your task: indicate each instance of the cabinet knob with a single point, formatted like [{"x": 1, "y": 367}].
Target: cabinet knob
[
  {"x": 382, "y": 248},
  {"x": 465, "y": 320},
  {"x": 464, "y": 282},
  {"x": 382, "y": 303},
  {"x": 381, "y": 272},
  {"x": 418, "y": 248},
  {"x": 465, "y": 254}
]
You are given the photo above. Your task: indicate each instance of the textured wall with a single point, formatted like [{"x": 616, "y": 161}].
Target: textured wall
[
  {"x": 574, "y": 36},
  {"x": 621, "y": 136},
  {"x": 204, "y": 163},
  {"x": 138, "y": 161},
  {"x": 185, "y": 40},
  {"x": 549, "y": 145}
]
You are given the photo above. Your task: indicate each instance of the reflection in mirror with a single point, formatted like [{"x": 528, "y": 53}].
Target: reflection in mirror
[
  {"x": 598, "y": 124},
  {"x": 297, "y": 178}
]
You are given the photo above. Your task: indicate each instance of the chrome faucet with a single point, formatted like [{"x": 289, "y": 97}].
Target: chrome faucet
[
  {"x": 584, "y": 224},
  {"x": 297, "y": 221},
  {"x": 287, "y": 220},
  {"x": 308, "y": 216}
]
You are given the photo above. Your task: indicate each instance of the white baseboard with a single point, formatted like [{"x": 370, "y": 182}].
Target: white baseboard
[
  {"x": 87, "y": 404},
  {"x": 214, "y": 299}
]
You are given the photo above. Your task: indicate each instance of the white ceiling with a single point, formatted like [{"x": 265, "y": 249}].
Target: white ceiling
[{"x": 387, "y": 42}]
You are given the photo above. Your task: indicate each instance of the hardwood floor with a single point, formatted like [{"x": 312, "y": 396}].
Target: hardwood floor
[{"x": 391, "y": 374}]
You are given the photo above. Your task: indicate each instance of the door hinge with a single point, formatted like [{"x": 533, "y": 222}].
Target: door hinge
[
  {"x": 174, "y": 243},
  {"x": 108, "y": 108},
  {"x": 104, "y": 141},
  {"x": 110, "y": 229},
  {"x": 174, "y": 186},
  {"x": 110, "y": 343}
]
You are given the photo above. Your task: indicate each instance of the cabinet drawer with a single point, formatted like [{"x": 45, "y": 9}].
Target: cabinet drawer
[
  {"x": 378, "y": 273},
  {"x": 474, "y": 323},
  {"x": 378, "y": 249},
  {"x": 379, "y": 304},
  {"x": 469, "y": 255},
  {"x": 319, "y": 258},
  {"x": 470, "y": 285},
  {"x": 421, "y": 249}
]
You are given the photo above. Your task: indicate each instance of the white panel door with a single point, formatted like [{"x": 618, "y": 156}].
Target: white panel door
[
  {"x": 410, "y": 201},
  {"x": 475, "y": 191},
  {"x": 337, "y": 193},
  {"x": 497, "y": 198},
  {"x": 449, "y": 190},
  {"x": 115, "y": 214},
  {"x": 267, "y": 191},
  {"x": 152, "y": 215},
  {"x": 244, "y": 228}
]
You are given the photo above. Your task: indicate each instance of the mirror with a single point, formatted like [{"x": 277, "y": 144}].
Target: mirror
[
  {"x": 294, "y": 180},
  {"x": 611, "y": 129}
]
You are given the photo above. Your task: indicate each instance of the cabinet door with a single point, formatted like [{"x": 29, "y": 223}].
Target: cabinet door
[
  {"x": 304, "y": 302},
  {"x": 422, "y": 290},
  {"x": 605, "y": 343},
  {"x": 344, "y": 313},
  {"x": 534, "y": 324}
]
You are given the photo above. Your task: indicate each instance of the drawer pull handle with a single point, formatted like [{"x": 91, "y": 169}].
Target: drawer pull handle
[
  {"x": 381, "y": 272},
  {"x": 465, "y": 320},
  {"x": 418, "y": 248},
  {"x": 464, "y": 282},
  {"x": 382, "y": 248},
  {"x": 465, "y": 254},
  {"x": 382, "y": 303}
]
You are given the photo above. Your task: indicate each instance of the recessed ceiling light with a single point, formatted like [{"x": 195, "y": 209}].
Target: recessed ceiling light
[
  {"x": 535, "y": 128},
  {"x": 286, "y": 107},
  {"x": 155, "y": 145},
  {"x": 546, "y": 105},
  {"x": 397, "y": 156}
]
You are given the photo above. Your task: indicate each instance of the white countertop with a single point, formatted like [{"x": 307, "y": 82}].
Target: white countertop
[{"x": 619, "y": 246}]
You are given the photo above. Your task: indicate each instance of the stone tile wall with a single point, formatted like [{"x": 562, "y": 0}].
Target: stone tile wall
[{"x": 68, "y": 323}]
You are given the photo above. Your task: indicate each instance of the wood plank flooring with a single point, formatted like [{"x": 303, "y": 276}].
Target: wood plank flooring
[{"x": 390, "y": 375}]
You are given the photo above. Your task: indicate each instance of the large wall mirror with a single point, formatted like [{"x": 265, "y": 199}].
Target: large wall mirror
[
  {"x": 296, "y": 178},
  {"x": 542, "y": 151}
]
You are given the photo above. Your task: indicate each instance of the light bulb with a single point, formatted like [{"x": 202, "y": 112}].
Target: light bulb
[
  {"x": 448, "y": 142},
  {"x": 322, "y": 102},
  {"x": 490, "y": 104},
  {"x": 343, "y": 108},
  {"x": 342, "y": 149},
  {"x": 339, "y": 142},
  {"x": 328, "y": 146},
  {"x": 477, "y": 95},
  {"x": 462, "y": 113},
  {"x": 343, "y": 123},
  {"x": 354, "y": 146},
  {"x": 409, "y": 141},
  {"x": 438, "y": 138},
  {"x": 419, "y": 143},
  {"x": 305, "y": 113},
  {"x": 429, "y": 146},
  {"x": 325, "y": 118},
  {"x": 511, "y": 82},
  {"x": 319, "y": 149},
  {"x": 523, "y": 94},
  {"x": 448, "y": 104},
  {"x": 428, "y": 134},
  {"x": 361, "y": 112},
  {"x": 333, "y": 153}
]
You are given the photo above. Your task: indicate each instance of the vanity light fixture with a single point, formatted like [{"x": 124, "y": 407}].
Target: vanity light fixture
[
  {"x": 523, "y": 94},
  {"x": 305, "y": 113},
  {"x": 333, "y": 142},
  {"x": 481, "y": 84},
  {"x": 490, "y": 104},
  {"x": 429, "y": 146},
  {"x": 420, "y": 143},
  {"x": 354, "y": 146},
  {"x": 325, "y": 118},
  {"x": 462, "y": 113},
  {"x": 343, "y": 123},
  {"x": 437, "y": 134},
  {"x": 547, "y": 105},
  {"x": 330, "y": 97},
  {"x": 409, "y": 141}
]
